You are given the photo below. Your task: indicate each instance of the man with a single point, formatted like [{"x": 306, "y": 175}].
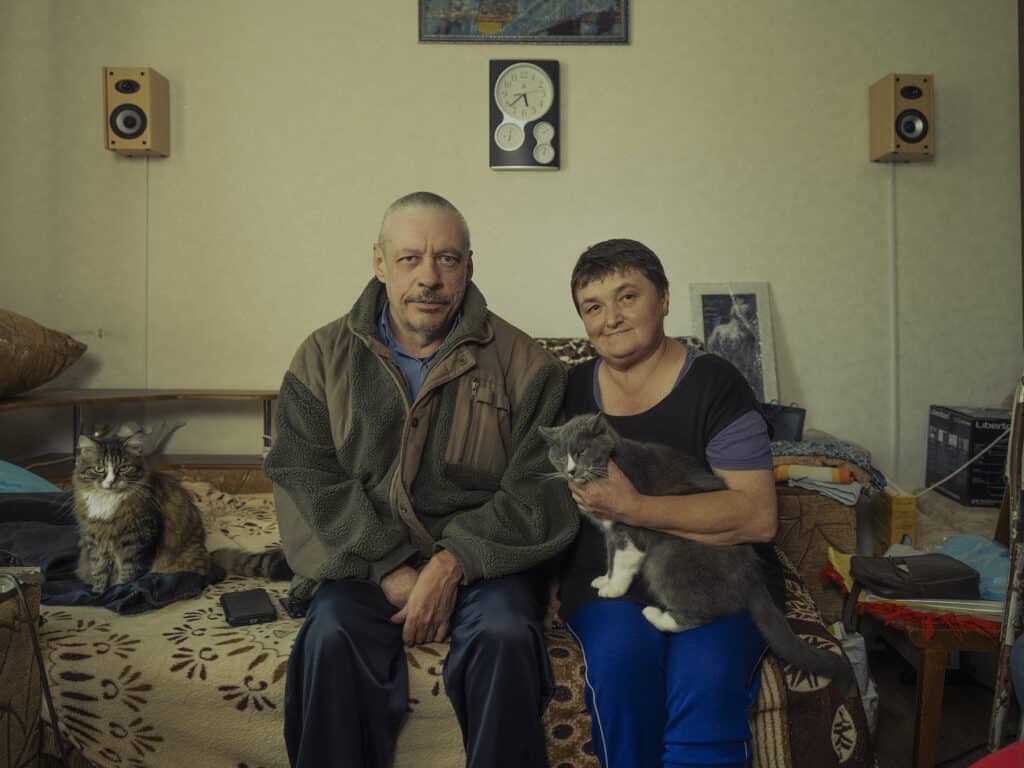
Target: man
[{"x": 406, "y": 471}]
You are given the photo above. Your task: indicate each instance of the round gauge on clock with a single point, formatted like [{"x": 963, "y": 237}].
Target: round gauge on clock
[
  {"x": 544, "y": 153},
  {"x": 544, "y": 132},
  {"x": 509, "y": 136}
]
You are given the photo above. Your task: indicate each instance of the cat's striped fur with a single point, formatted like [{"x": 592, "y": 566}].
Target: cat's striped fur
[{"x": 133, "y": 520}]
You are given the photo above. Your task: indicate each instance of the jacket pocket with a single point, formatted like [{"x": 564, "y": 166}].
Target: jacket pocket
[{"x": 481, "y": 426}]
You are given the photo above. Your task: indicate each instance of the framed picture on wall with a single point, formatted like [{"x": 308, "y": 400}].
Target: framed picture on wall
[
  {"x": 735, "y": 321},
  {"x": 524, "y": 21}
]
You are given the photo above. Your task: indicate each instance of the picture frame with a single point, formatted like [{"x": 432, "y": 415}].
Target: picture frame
[
  {"x": 603, "y": 22},
  {"x": 735, "y": 322}
]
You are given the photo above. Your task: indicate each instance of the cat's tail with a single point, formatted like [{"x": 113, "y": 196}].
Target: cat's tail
[
  {"x": 785, "y": 644},
  {"x": 269, "y": 565}
]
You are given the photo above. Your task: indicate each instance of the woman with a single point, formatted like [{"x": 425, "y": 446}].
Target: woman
[{"x": 657, "y": 698}]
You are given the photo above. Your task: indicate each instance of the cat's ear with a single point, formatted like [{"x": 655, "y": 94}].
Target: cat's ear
[
  {"x": 547, "y": 434},
  {"x": 87, "y": 445},
  {"x": 135, "y": 444}
]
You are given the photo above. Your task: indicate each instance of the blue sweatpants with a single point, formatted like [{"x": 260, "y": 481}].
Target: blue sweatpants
[
  {"x": 668, "y": 699},
  {"x": 347, "y": 688}
]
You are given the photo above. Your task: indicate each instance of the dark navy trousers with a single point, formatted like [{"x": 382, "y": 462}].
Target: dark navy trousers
[{"x": 347, "y": 688}]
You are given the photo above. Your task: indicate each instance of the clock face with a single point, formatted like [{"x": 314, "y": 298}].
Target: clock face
[
  {"x": 544, "y": 153},
  {"x": 544, "y": 132},
  {"x": 509, "y": 136},
  {"x": 524, "y": 92}
]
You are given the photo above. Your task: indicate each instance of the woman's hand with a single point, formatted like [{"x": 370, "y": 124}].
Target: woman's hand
[{"x": 612, "y": 498}]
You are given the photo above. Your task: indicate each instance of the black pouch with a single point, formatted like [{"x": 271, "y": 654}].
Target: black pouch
[
  {"x": 785, "y": 422},
  {"x": 916, "y": 577}
]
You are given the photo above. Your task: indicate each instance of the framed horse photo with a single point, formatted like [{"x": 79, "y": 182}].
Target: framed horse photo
[{"x": 735, "y": 321}]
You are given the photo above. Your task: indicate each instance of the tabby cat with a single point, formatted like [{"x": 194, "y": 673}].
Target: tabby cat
[
  {"x": 133, "y": 520},
  {"x": 693, "y": 581}
]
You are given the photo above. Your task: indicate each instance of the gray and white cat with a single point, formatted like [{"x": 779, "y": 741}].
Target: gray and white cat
[{"x": 693, "y": 581}]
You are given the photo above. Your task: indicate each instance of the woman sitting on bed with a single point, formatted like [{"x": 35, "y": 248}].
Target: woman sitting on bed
[{"x": 658, "y": 698}]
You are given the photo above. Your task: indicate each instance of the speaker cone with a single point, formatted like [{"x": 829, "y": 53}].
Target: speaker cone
[
  {"x": 128, "y": 121},
  {"x": 911, "y": 126}
]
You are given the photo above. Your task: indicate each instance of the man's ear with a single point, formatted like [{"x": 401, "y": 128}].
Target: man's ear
[
  {"x": 469, "y": 266},
  {"x": 378, "y": 263},
  {"x": 664, "y": 303}
]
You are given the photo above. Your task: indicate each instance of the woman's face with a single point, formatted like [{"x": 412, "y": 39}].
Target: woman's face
[{"x": 624, "y": 315}]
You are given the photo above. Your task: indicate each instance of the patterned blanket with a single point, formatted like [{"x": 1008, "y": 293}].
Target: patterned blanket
[{"x": 178, "y": 686}]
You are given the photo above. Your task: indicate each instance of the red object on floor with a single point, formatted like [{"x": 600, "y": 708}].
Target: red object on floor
[{"x": 1007, "y": 757}]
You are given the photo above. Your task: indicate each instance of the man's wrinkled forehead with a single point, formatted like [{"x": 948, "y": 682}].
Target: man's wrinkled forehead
[{"x": 410, "y": 227}]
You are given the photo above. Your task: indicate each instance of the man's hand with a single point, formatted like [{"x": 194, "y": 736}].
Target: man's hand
[
  {"x": 398, "y": 584},
  {"x": 613, "y": 498},
  {"x": 429, "y": 608}
]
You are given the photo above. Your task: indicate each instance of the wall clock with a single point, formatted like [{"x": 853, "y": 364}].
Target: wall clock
[{"x": 524, "y": 125}]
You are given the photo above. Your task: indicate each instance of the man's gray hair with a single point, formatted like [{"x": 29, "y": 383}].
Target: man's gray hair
[{"x": 423, "y": 200}]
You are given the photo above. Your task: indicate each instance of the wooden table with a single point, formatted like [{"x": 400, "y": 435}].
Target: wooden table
[
  {"x": 56, "y": 467},
  {"x": 931, "y": 680}
]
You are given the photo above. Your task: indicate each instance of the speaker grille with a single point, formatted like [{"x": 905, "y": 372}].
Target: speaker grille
[
  {"x": 128, "y": 121},
  {"x": 911, "y": 126}
]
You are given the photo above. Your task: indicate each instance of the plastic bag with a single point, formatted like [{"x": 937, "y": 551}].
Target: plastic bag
[
  {"x": 989, "y": 558},
  {"x": 857, "y": 653}
]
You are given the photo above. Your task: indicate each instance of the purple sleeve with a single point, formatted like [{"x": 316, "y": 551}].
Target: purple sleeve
[{"x": 744, "y": 444}]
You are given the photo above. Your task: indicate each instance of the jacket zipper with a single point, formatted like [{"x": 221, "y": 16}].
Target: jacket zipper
[{"x": 474, "y": 386}]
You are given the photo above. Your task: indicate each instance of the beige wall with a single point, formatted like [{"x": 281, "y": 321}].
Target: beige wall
[{"x": 730, "y": 136}]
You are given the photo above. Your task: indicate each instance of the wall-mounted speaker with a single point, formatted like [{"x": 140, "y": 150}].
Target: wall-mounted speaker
[
  {"x": 136, "y": 106},
  {"x": 902, "y": 129}
]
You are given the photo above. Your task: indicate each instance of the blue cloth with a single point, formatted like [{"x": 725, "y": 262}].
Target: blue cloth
[
  {"x": 39, "y": 530},
  {"x": 347, "y": 687},
  {"x": 14, "y": 479},
  {"x": 668, "y": 699},
  {"x": 414, "y": 369},
  {"x": 989, "y": 558}
]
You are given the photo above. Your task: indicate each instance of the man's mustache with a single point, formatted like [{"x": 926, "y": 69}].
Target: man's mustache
[{"x": 430, "y": 297}]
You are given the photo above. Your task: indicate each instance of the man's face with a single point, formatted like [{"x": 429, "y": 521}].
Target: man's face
[{"x": 425, "y": 267}]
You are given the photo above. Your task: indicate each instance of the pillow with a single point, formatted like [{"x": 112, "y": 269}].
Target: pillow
[
  {"x": 30, "y": 354},
  {"x": 14, "y": 479}
]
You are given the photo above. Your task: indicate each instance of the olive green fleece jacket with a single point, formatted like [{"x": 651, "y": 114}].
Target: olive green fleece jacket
[{"x": 365, "y": 479}]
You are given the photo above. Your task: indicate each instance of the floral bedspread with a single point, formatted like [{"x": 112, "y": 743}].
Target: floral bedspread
[{"x": 178, "y": 686}]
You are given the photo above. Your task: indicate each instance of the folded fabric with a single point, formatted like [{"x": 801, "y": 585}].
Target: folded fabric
[
  {"x": 38, "y": 530},
  {"x": 831, "y": 455},
  {"x": 828, "y": 474},
  {"x": 844, "y": 493}
]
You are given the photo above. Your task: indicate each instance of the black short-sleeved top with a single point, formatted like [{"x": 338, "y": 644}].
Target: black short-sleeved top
[{"x": 707, "y": 399}]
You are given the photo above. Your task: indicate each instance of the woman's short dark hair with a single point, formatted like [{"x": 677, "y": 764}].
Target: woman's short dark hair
[{"x": 614, "y": 257}]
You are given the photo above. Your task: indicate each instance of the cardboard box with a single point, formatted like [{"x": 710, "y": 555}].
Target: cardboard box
[
  {"x": 957, "y": 434},
  {"x": 893, "y": 521}
]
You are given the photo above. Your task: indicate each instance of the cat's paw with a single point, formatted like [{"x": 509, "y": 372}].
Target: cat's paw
[
  {"x": 99, "y": 586},
  {"x": 613, "y": 589},
  {"x": 600, "y": 582},
  {"x": 661, "y": 619}
]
